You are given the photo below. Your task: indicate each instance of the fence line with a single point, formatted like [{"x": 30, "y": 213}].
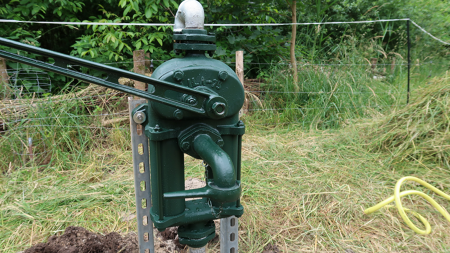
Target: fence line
[
  {"x": 65, "y": 126},
  {"x": 316, "y": 108},
  {"x": 66, "y": 117},
  {"x": 258, "y": 109},
  {"x": 318, "y": 92},
  {"x": 299, "y": 64},
  {"x": 226, "y": 25},
  {"x": 211, "y": 25},
  {"x": 49, "y": 101}
]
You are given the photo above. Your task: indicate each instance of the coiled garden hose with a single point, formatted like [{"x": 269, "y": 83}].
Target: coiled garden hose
[{"x": 402, "y": 211}]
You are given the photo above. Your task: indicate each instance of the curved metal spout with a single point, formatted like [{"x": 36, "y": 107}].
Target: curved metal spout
[
  {"x": 225, "y": 187},
  {"x": 190, "y": 15},
  {"x": 223, "y": 169}
]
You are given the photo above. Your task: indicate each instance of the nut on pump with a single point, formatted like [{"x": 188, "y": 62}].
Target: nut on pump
[{"x": 193, "y": 109}]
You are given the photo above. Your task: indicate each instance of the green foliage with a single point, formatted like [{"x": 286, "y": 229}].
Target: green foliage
[
  {"x": 261, "y": 44},
  {"x": 117, "y": 43}
]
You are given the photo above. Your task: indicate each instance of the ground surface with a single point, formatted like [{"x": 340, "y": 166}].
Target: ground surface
[{"x": 80, "y": 240}]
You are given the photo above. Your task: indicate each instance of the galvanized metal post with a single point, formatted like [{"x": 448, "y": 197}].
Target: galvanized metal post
[
  {"x": 229, "y": 235},
  {"x": 197, "y": 250},
  {"x": 409, "y": 61},
  {"x": 139, "y": 143}
]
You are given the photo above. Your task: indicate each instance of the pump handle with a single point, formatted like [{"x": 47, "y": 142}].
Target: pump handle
[{"x": 63, "y": 62}]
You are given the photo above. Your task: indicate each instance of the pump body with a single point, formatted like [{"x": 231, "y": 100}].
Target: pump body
[{"x": 173, "y": 132}]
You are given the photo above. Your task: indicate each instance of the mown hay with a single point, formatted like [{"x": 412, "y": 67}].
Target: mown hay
[{"x": 419, "y": 131}]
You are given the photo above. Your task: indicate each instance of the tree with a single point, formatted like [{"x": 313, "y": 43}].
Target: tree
[{"x": 293, "y": 7}]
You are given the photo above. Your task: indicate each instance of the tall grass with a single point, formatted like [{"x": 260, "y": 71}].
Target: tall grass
[
  {"x": 343, "y": 87},
  {"x": 330, "y": 96},
  {"x": 61, "y": 133}
]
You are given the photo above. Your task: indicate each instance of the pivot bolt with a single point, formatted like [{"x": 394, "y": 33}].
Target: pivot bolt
[
  {"x": 192, "y": 101},
  {"x": 185, "y": 146},
  {"x": 218, "y": 108},
  {"x": 178, "y": 75},
  {"x": 178, "y": 114},
  {"x": 139, "y": 117},
  {"x": 189, "y": 99},
  {"x": 220, "y": 142},
  {"x": 223, "y": 75}
]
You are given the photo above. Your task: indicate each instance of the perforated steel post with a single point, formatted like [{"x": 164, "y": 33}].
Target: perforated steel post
[
  {"x": 229, "y": 235},
  {"x": 141, "y": 167}
]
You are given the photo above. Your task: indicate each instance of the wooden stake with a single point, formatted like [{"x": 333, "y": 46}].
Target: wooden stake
[
  {"x": 293, "y": 37},
  {"x": 4, "y": 78},
  {"x": 393, "y": 65},
  {"x": 147, "y": 61},
  {"x": 240, "y": 65},
  {"x": 240, "y": 74},
  {"x": 374, "y": 64},
  {"x": 139, "y": 67}
]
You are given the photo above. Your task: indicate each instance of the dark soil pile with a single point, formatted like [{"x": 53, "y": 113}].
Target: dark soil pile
[{"x": 80, "y": 240}]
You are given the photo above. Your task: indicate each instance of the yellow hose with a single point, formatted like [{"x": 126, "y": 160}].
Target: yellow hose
[{"x": 402, "y": 211}]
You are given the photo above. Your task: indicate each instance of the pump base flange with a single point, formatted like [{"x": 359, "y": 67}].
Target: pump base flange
[{"x": 197, "y": 235}]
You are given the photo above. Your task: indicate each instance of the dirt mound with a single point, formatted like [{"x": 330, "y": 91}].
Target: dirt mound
[{"x": 80, "y": 240}]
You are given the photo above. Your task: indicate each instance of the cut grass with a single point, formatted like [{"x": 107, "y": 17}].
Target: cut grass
[
  {"x": 307, "y": 192},
  {"x": 420, "y": 131},
  {"x": 303, "y": 191}
]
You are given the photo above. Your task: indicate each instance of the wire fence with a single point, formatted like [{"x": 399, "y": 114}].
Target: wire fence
[{"x": 331, "y": 94}]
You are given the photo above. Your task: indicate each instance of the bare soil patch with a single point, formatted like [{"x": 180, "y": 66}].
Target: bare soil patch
[{"x": 80, "y": 240}]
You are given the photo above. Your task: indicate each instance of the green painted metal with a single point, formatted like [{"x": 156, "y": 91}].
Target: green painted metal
[
  {"x": 193, "y": 109},
  {"x": 197, "y": 235},
  {"x": 214, "y": 140},
  {"x": 194, "y": 40}
]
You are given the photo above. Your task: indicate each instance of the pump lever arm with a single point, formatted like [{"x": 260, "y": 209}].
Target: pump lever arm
[{"x": 205, "y": 100}]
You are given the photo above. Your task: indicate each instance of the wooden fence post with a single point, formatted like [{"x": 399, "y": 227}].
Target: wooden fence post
[
  {"x": 240, "y": 65},
  {"x": 240, "y": 74},
  {"x": 139, "y": 67},
  {"x": 374, "y": 62},
  {"x": 4, "y": 78},
  {"x": 393, "y": 65},
  {"x": 148, "y": 63}
]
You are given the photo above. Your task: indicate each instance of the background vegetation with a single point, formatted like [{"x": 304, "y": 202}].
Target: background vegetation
[
  {"x": 312, "y": 159},
  {"x": 107, "y": 44}
]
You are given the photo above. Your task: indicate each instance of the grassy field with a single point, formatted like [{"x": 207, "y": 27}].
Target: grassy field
[{"x": 304, "y": 187}]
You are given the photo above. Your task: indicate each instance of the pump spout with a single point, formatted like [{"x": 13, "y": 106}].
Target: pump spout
[
  {"x": 190, "y": 15},
  {"x": 224, "y": 187},
  {"x": 223, "y": 170}
]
